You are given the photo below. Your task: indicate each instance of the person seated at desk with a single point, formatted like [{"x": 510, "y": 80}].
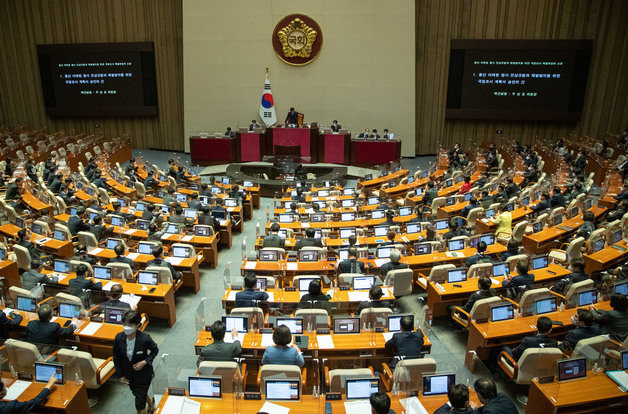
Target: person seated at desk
[
  {"x": 67, "y": 195},
  {"x": 193, "y": 202},
  {"x": 542, "y": 205},
  {"x": 523, "y": 279},
  {"x": 114, "y": 302},
  {"x": 55, "y": 186},
  {"x": 274, "y": 239},
  {"x": 352, "y": 264},
  {"x": 249, "y": 296},
  {"x": 406, "y": 344},
  {"x": 531, "y": 175},
  {"x": 206, "y": 219},
  {"x": 540, "y": 340},
  {"x": 511, "y": 188},
  {"x": 335, "y": 126},
  {"x": 177, "y": 217},
  {"x": 492, "y": 402},
  {"x": 150, "y": 212},
  {"x": 19, "y": 407},
  {"x": 154, "y": 233},
  {"x": 14, "y": 189},
  {"x": 473, "y": 203},
  {"x": 294, "y": 211},
  {"x": 466, "y": 186},
  {"x": 117, "y": 210},
  {"x": 7, "y": 323},
  {"x": 390, "y": 238},
  {"x": 375, "y": 300},
  {"x": 479, "y": 257},
  {"x": 365, "y": 134},
  {"x": 512, "y": 249},
  {"x": 219, "y": 206},
  {"x": 234, "y": 192},
  {"x": 588, "y": 226},
  {"x": 8, "y": 168},
  {"x": 299, "y": 196},
  {"x": 585, "y": 328},
  {"x": 503, "y": 221},
  {"x": 219, "y": 350},
  {"x": 577, "y": 275},
  {"x": 557, "y": 199},
  {"x": 314, "y": 296},
  {"x": 150, "y": 183},
  {"x": 375, "y": 134},
  {"x": 393, "y": 264},
  {"x": 618, "y": 213},
  {"x": 33, "y": 277},
  {"x": 383, "y": 205},
  {"x": 387, "y": 134},
  {"x": 23, "y": 239},
  {"x": 430, "y": 194},
  {"x": 172, "y": 169},
  {"x": 380, "y": 403},
  {"x": 99, "y": 181},
  {"x": 454, "y": 230},
  {"x": 485, "y": 291},
  {"x": 99, "y": 230},
  {"x": 158, "y": 253},
  {"x": 458, "y": 396},
  {"x": 253, "y": 125},
  {"x": 292, "y": 118},
  {"x": 18, "y": 205},
  {"x": 615, "y": 321},
  {"x": 310, "y": 240},
  {"x": 282, "y": 352},
  {"x": 486, "y": 200},
  {"x": 120, "y": 258},
  {"x": 80, "y": 283},
  {"x": 168, "y": 197},
  {"x": 43, "y": 331},
  {"x": 76, "y": 223}
]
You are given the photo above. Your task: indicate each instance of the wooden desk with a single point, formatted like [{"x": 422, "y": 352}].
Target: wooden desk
[
  {"x": 121, "y": 189},
  {"x": 63, "y": 249},
  {"x": 288, "y": 269},
  {"x": 605, "y": 258},
  {"x": 67, "y": 398},
  {"x": 377, "y": 182},
  {"x": 438, "y": 300},
  {"x": 484, "y": 336},
  {"x": 307, "y": 404},
  {"x": 335, "y": 225},
  {"x": 593, "y": 394},
  {"x": 36, "y": 205},
  {"x": 9, "y": 271}
]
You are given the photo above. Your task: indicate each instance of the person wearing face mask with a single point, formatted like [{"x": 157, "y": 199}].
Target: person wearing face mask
[
  {"x": 15, "y": 406},
  {"x": 133, "y": 355},
  {"x": 585, "y": 328}
]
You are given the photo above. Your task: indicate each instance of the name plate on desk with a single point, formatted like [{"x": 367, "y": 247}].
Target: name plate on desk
[
  {"x": 176, "y": 391},
  {"x": 333, "y": 396},
  {"x": 252, "y": 396},
  {"x": 290, "y": 288}
]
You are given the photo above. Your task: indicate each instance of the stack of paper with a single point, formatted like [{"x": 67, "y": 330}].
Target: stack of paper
[
  {"x": 132, "y": 256},
  {"x": 272, "y": 408},
  {"x": 91, "y": 328},
  {"x": 358, "y": 296},
  {"x": 267, "y": 340},
  {"x": 16, "y": 389},
  {"x": 131, "y": 299},
  {"x": 175, "y": 261},
  {"x": 96, "y": 250},
  {"x": 292, "y": 266},
  {"x": 325, "y": 341},
  {"x": 388, "y": 335},
  {"x": 412, "y": 405},
  {"x": 380, "y": 262},
  {"x": 357, "y": 407},
  {"x": 250, "y": 265},
  {"x": 187, "y": 238}
]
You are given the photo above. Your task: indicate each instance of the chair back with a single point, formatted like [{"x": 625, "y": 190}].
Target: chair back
[
  {"x": 338, "y": 377},
  {"x": 22, "y": 256},
  {"x": 474, "y": 215},
  {"x": 14, "y": 291},
  {"x": 536, "y": 363},
  {"x": 480, "y": 269},
  {"x": 313, "y": 318},
  {"x": 520, "y": 230},
  {"x": 528, "y": 299},
  {"x": 281, "y": 253},
  {"x": 416, "y": 368},
  {"x": 374, "y": 317},
  {"x": 574, "y": 249},
  {"x": 81, "y": 363},
  {"x": 482, "y": 308},
  {"x": 225, "y": 370},
  {"x": 187, "y": 246},
  {"x": 87, "y": 238},
  {"x": 22, "y": 356},
  {"x": 594, "y": 349},
  {"x": 571, "y": 297},
  {"x": 438, "y": 274},
  {"x": 401, "y": 281},
  {"x": 165, "y": 276},
  {"x": 120, "y": 270},
  {"x": 255, "y": 316}
]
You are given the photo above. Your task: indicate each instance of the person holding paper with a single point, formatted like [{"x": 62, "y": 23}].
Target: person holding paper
[
  {"x": 19, "y": 407},
  {"x": 219, "y": 350}
]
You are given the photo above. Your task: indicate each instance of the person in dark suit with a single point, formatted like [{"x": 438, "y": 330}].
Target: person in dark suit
[
  {"x": 43, "y": 331},
  {"x": 314, "y": 296},
  {"x": 511, "y": 188},
  {"x": 531, "y": 175},
  {"x": 206, "y": 219},
  {"x": 375, "y": 300},
  {"x": 249, "y": 296},
  {"x": 219, "y": 350},
  {"x": 335, "y": 126},
  {"x": 168, "y": 197},
  {"x": 479, "y": 257},
  {"x": 234, "y": 192},
  {"x": 485, "y": 291},
  {"x": 540, "y": 340},
  {"x": 492, "y": 402},
  {"x": 542, "y": 205},
  {"x": 158, "y": 253},
  {"x": 13, "y": 190},
  {"x": 194, "y": 203},
  {"x": 253, "y": 125},
  {"x": 114, "y": 302},
  {"x": 292, "y": 118},
  {"x": 380, "y": 403},
  {"x": 8, "y": 169},
  {"x": 390, "y": 238},
  {"x": 430, "y": 194},
  {"x": 458, "y": 396},
  {"x": 585, "y": 328},
  {"x": 150, "y": 183},
  {"x": 351, "y": 265},
  {"x": 577, "y": 275},
  {"x": 19, "y": 407},
  {"x": 154, "y": 233},
  {"x": 512, "y": 249},
  {"x": 18, "y": 205},
  {"x": 99, "y": 230},
  {"x": 150, "y": 212},
  {"x": 375, "y": 134},
  {"x": 557, "y": 199},
  {"x": 394, "y": 264},
  {"x": 76, "y": 223},
  {"x": 23, "y": 239},
  {"x": 523, "y": 280},
  {"x": 454, "y": 230},
  {"x": 473, "y": 203},
  {"x": 309, "y": 241},
  {"x": 80, "y": 283},
  {"x": 31, "y": 278},
  {"x": 219, "y": 206},
  {"x": 133, "y": 355},
  {"x": 365, "y": 134},
  {"x": 614, "y": 321},
  {"x": 55, "y": 187},
  {"x": 274, "y": 239},
  {"x": 579, "y": 163},
  {"x": 80, "y": 254},
  {"x": 7, "y": 323},
  {"x": 406, "y": 344},
  {"x": 486, "y": 200},
  {"x": 120, "y": 258},
  {"x": 177, "y": 217}
]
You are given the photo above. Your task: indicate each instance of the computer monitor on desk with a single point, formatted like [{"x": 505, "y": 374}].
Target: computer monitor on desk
[
  {"x": 456, "y": 275},
  {"x": 442, "y": 224},
  {"x": 61, "y": 266},
  {"x": 268, "y": 255},
  {"x": 304, "y": 283},
  {"x": 544, "y": 306},
  {"x": 114, "y": 316},
  {"x": 454, "y": 245},
  {"x": 383, "y": 252},
  {"x": 348, "y": 325},
  {"x": 26, "y": 304},
  {"x": 347, "y": 217},
  {"x": 587, "y": 297},
  {"x": 500, "y": 269},
  {"x": 362, "y": 388},
  {"x": 294, "y": 324},
  {"x": 239, "y": 323},
  {"x": 69, "y": 310},
  {"x": 539, "y": 262},
  {"x": 502, "y": 313},
  {"x": 307, "y": 255},
  {"x": 57, "y": 235},
  {"x": 363, "y": 282},
  {"x": 394, "y": 321},
  {"x": 43, "y": 372},
  {"x": 144, "y": 248},
  {"x": 380, "y": 231},
  {"x": 413, "y": 228},
  {"x": 347, "y": 232},
  {"x": 286, "y": 218},
  {"x": 343, "y": 254},
  {"x": 621, "y": 287},
  {"x": 102, "y": 272},
  {"x": 147, "y": 278},
  {"x": 378, "y": 214},
  {"x": 437, "y": 384},
  {"x": 204, "y": 387},
  {"x": 570, "y": 369},
  {"x": 281, "y": 390}
]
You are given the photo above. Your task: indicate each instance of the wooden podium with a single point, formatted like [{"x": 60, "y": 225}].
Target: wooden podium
[{"x": 304, "y": 138}]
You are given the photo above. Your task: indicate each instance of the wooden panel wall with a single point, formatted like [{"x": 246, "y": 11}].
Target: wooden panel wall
[
  {"x": 606, "y": 101},
  {"x": 26, "y": 23}
]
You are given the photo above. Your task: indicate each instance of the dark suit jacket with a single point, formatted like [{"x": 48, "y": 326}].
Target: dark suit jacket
[
  {"x": 273, "y": 240},
  {"x": 475, "y": 296},
  {"x": 537, "y": 341},
  {"x": 292, "y": 118},
  {"x": 542, "y": 205},
  {"x": 98, "y": 230},
  {"x": 446, "y": 409},
  {"x": 195, "y": 204},
  {"x": 122, "y": 259},
  {"x": 16, "y": 407},
  {"x": 39, "y": 332},
  {"x": 247, "y": 297},
  {"x": 207, "y": 220},
  {"x": 387, "y": 267},
  {"x": 477, "y": 258},
  {"x": 221, "y": 350},
  {"x": 335, "y": 127},
  {"x": 575, "y": 335},
  {"x": 8, "y": 323},
  {"x": 569, "y": 279},
  {"x": 406, "y": 344},
  {"x": 163, "y": 263},
  {"x": 77, "y": 285},
  {"x": 614, "y": 322},
  {"x": 145, "y": 350},
  {"x": 429, "y": 196},
  {"x": 31, "y": 248},
  {"x": 12, "y": 191},
  {"x": 55, "y": 186},
  {"x": 351, "y": 266},
  {"x": 75, "y": 224},
  {"x": 498, "y": 405},
  {"x": 308, "y": 242},
  {"x": 557, "y": 200},
  {"x": 519, "y": 281}
]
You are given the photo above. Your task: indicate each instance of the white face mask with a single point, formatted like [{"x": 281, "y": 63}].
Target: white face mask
[{"x": 129, "y": 330}]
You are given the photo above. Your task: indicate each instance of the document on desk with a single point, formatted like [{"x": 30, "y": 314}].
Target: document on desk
[
  {"x": 190, "y": 407},
  {"x": 173, "y": 405},
  {"x": 132, "y": 256},
  {"x": 495, "y": 281},
  {"x": 325, "y": 342},
  {"x": 380, "y": 262},
  {"x": 187, "y": 239},
  {"x": 91, "y": 328},
  {"x": 231, "y": 295},
  {"x": 271, "y": 297},
  {"x": 131, "y": 299},
  {"x": 106, "y": 286},
  {"x": 358, "y": 296},
  {"x": 272, "y": 408},
  {"x": 129, "y": 231},
  {"x": 96, "y": 250},
  {"x": 16, "y": 389},
  {"x": 412, "y": 405},
  {"x": 175, "y": 261},
  {"x": 454, "y": 254},
  {"x": 60, "y": 276},
  {"x": 620, "y": 377},
  {"x": 43, "y": 240},
  {"x": 292, "y": 266},
  {"x": 250, "y": 265},
  {"x": 7, "y": 310},
  {"x": 267, "y": 340},
  {"x": 357, "y": 407}
]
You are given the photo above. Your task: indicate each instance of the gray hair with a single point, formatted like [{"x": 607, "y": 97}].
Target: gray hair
[{"x": 395, "y": 255}]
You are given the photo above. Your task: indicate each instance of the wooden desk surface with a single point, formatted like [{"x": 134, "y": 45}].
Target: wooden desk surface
[
  {"x": 297, "y": 226},
  {"x": 370, "y": 241},
  {"x": 64, "y": 249},
  {"x": 294, "y": 297},
  {"x": 606, "y": 257},
  {"x": 570, "y": 396},
  {"x": 375, "y": 182}
]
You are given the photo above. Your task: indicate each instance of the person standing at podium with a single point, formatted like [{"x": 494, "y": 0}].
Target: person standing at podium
[
  {"x": 253, "y": 125},
  {"x": 292, "y": 118},
  {"x": 335, "y": 126}
]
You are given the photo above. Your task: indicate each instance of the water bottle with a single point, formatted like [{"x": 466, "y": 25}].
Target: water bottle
[
  {"x": 77, "y": 378},
  {"x": 315, "y": 391},
  {"x": 13, "y": 372},
  {"x": 243, "y": 248},
  {"x": 257, "y": 229},
  {"x": 595, "y": 369},
  {"x": 267, "y": 213}
]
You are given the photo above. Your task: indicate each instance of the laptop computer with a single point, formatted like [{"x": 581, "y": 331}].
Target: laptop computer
[
  {"x": 294, "y": 324},
  {"x": 44, "y": 370},
  {"x": 115, "y": 316},
  {"x": 363, "y": 282},
  {"x": 239, "y": 323},
  {"x": 346, "y": 325},
  {"x": 546, "y": 305},
  {"x": 394, "y": 322},
  {"x": 69, "y": 310}
]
